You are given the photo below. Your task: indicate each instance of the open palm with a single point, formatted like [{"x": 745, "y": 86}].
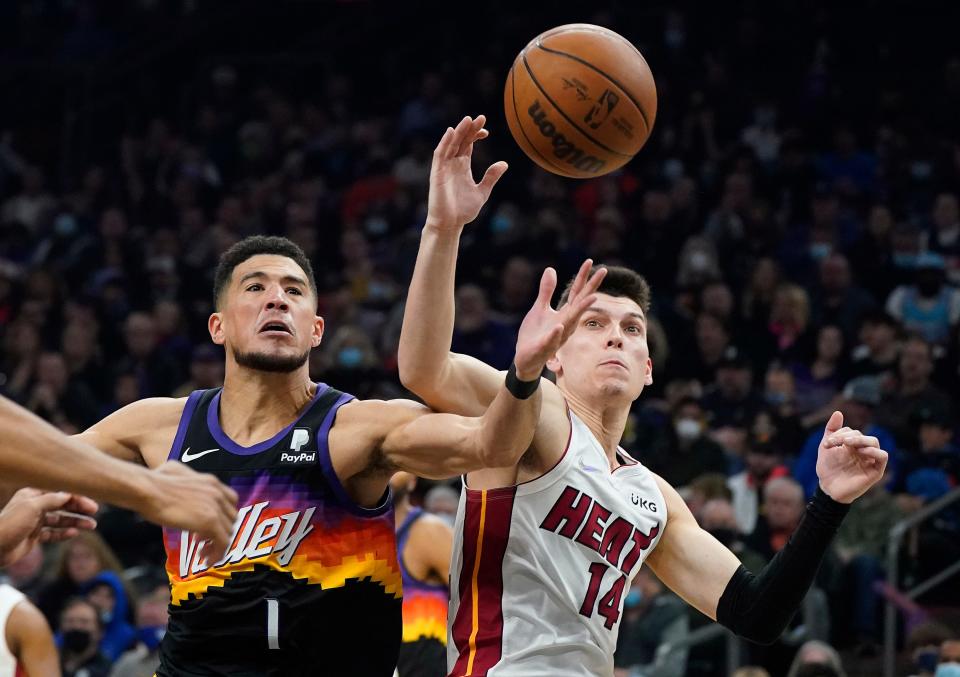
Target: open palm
[
  {"x": 848, "y": 462},
  {"x": 544, "y": 329},
  {"x": 455, "y": 198}
]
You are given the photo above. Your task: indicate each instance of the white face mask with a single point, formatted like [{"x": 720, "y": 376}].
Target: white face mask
[
  {"x": 687, "y": 428},
  {"x": 951, "y": 669}
]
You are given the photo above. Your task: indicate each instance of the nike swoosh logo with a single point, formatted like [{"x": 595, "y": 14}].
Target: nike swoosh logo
[
  {"x": 187, "y": 456},
  {"x": 588, "y": 468}
]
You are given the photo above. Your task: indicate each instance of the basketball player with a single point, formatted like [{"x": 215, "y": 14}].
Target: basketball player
[
  {"x": 424, "y": 543},
  {"x": 25, "y": 638},
  {"x": 310, "y": 582},
  {"x": 546, "y": 547},
  {"x": 34, "y": 453}
]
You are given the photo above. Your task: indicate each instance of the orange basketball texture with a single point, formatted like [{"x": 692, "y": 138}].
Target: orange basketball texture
[{"x": 580, "y": 100}]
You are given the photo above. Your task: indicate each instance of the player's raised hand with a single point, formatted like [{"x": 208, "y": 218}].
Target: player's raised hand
[
  {"x": 197, "y": 502},
  {"x": 455, "y": 198},
  {"x": 33, "y": 516},
  {"x": 544, "y": 329},
  {"x": 848, "y": 462}
]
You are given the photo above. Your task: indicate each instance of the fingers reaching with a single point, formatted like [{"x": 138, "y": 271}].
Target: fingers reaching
[
  {"x": 490, "y": 178},
  {"x": 835, "y": 422},
  {"x": 548, "y": 284},
  {"x": 471, "y": 133}
]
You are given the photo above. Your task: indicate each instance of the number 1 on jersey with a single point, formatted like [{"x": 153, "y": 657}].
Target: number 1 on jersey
[
  {"x": 609, "y": 604},
  {"x": 273, "y": 624}
]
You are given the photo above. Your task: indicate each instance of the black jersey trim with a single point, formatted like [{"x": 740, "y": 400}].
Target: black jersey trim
[{"x": 184, "y": 424}]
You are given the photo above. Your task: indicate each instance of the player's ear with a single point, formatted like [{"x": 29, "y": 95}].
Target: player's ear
[
  {"x": 317, "y": 333},
  {"x": 553, "y": 364},
  {"x": 215, "y": 327},
  {"x": 648, "y": 379}
]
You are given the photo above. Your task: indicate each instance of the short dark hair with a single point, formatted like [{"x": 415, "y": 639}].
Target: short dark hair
[
  {"x": 254, "y": 246},
  {"x": 619, "y": 281}
]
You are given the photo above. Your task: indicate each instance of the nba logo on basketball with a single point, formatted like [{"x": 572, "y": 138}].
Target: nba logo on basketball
[{"x": 602, "y": 109}]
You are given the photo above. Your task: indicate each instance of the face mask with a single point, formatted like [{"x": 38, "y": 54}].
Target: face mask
[
  {"x": 76, "y": 641},
  {"x": 687, "y": 428},
  {"x": 699, "y": 261},
  {"x": 904, "y": 259},
  {"x": 377, "y": 225},
  {"x": 928, "y": 287},
  {"x": 724, "y": 535},
  {"x": 820, "y": 250},
  {"x": 775, "y": 399},
  {"x": 926, "y": 661},
  {"x": 501, "y": 224},
  {"x": 151, "y": 636},
  {"x": 106, "y": 617},
  {"x": 350, "y": 358},
  {"x": 633, "y": 598},
  {"x": 948, "y": 670},
  {"x": 65, "y": 225}
]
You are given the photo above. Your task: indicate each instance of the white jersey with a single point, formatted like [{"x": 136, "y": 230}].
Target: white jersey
[
  {"x": 540, "y": 570},
  {"x": 9, "y": 598}
]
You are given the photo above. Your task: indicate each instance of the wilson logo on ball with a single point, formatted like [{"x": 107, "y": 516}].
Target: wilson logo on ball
[{"x": 563, "y": 148}]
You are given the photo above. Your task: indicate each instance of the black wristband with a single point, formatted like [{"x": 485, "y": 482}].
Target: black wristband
[{"x": 520, "y": 389}]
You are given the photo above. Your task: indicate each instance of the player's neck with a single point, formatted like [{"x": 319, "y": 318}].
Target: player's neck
[
  {"x": 256, "y": 405},
  {"x": 606, "y": 421}
]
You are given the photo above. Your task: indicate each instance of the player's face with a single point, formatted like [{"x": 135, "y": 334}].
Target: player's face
[
  {"x": 607, "y": 354},
  {"x": 268, "y": 319}
]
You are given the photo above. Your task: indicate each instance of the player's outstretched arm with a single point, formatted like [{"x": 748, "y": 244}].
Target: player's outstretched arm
[
  {"x": 446, "y": 382},
  {"x": 759, "y": 606},
  {"x": 34, "y": 453},
  {"x": 442, "y": 445}
]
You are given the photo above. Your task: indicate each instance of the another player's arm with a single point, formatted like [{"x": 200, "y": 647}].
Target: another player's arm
[
  {"x": 432, "y": 541},
  {"x": 444, "y": 380},
  {"x": 758, "y": 607},
  {"x": 34, "y": 453},
  {"x": 30, "y": 640}
]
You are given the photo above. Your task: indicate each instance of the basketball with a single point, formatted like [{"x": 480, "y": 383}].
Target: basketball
[{"x": 580, "y": 100}]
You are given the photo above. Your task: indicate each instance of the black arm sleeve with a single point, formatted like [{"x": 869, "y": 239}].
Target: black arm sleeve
[{"x": 759, "y": 607}]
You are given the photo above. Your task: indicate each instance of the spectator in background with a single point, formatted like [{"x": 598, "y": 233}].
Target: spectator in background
[
  {"x": 913, "y": 392},
  {"x": 26, "y": 573},
  {"x": 80, "y": 634},
  {"x": 879, "y": 351},
  {"x": 107, "y": 592},
  {"x": 518, "y": 286},
  {"x": 789, "y": 323},
  {"x": 764, "y": 462},
  {"x": 718, "y": 517},
  {"x": 66, "y": 403},
  {"x": 731, "y": 402},
  {"x": 684, "y": 450},
  {"x": 80, "y": 560},
  {"x": 782, "y": 509},
  {"x": 156, "y": 372},
  {"x": 936, "y": 450},
  {"x": 442, "y": 501},
  {"x": 838, "y": 301},
  {"x": 819, "y": 381},
  {"x": 477, "y": 333},
  {"x": 923, "y": 646},
  {"x": 206, "y": 370},
  {"x": 861, "y": 547},
  {"x": 943, "y": 237},
  {"x": 652, "y": 617},
  {"x": 143, "y": 659},
  {"x": 816, "y": 653},
  {"x": 928, "y": 306},
  {"x": 858, "y": 404}
]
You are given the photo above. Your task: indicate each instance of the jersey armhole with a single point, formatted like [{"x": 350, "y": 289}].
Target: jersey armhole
[{"x": 188, "y": 409}]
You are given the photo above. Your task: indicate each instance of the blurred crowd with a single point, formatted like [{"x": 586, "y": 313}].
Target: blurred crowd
[{"x": 801, "y": 232}]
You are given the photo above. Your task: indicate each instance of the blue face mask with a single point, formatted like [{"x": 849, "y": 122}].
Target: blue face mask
[
  {"x": 775, "y": 399},
  {"x": 151, "y": 636},
  {"x": 350, "y": 357},
  {"x": 820, "y": 250},
  {"x": 633, "y": 599},
  {"x": 501, "y": 224},
  {"x": 948, "y": 670}
]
